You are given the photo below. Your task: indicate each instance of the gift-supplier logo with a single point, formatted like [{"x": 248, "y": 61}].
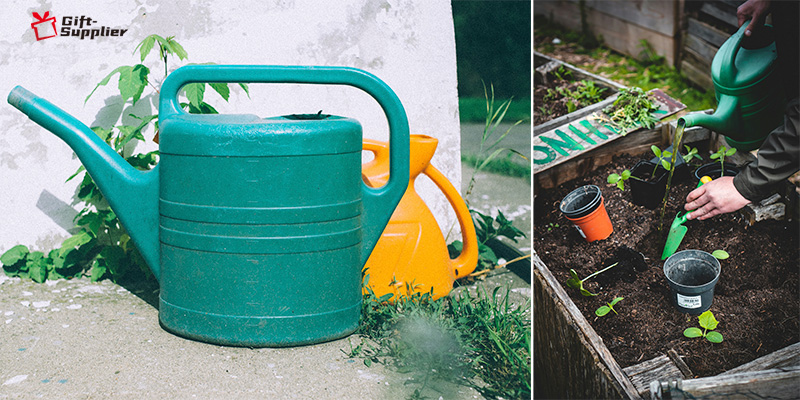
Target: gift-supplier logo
[
  {"x": 44, "y": 27},
  {"x": 76, "y": 26}
]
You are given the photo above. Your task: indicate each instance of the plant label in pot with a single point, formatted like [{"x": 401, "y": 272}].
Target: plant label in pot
[{"x": 692, "y": 275}]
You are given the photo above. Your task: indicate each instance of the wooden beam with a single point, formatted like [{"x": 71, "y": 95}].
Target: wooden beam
[{"x": 779, "y": 383}]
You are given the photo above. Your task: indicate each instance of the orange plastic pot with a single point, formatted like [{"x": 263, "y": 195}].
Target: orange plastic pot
[
  {"x": 586, "y": 209},
  {"x": 411, "y": 255}
]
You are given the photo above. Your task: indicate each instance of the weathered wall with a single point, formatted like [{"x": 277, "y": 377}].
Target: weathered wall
[{"x": 407, "y": 43}]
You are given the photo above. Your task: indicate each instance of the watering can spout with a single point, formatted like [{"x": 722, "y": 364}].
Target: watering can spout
[
  {"x": 723, "y": 120},
  {"x": 132, "y": 194}
]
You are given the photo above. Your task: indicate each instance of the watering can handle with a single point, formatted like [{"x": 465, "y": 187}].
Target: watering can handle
[
  {"x": 731, "y": 73},
  {"x": 378, "y": 203},
  {"x": 466, "y": 262}
]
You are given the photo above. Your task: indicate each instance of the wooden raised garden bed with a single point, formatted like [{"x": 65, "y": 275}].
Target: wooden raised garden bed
[{"x": 573, "y": 361}]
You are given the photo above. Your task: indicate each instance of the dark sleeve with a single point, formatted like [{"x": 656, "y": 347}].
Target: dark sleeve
[{"x": 778, "y": 158}]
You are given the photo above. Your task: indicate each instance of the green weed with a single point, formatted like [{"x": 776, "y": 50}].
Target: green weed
[{"x": 481, "y": 341}]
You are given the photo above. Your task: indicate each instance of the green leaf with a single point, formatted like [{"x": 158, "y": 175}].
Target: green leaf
[
  {"x": 14, "y": 254},
  {"x": 72, "y": 242},
  {"x": 245, "y": 88},
  {"x": 730, "y": 152},
  {"x": 177, "y": 49},
  {"x": 145, "y": 46},
  {"x": 626, "y": 174},
  {"x": 720, "y": 254},
  {"x": 708, "y": 321},
  {"x": 666, "y": 164},
  {"x": 98, "y": 270},
  {"x": 92, "y": 220},
  {"x": 194, "y": 92},
  {"x": 106, "y": 79},
  {"x": 573, "y": 282},
  {"x": 615, "y": 301},
  {"x": 222, "y": 89},
  {"x": 603, "y": 310},
  {"x": 613, "y": 178},
  {"x": 38, "y": 270},
  {"x": 656, "y": 150},
  {"x": 714, "y": 337},
  {"x": 114, "y": 257},
  {"x": 715, "y": 156},
  {"x": 693, "y": 332},
  {"x": 621, "y": 185}
]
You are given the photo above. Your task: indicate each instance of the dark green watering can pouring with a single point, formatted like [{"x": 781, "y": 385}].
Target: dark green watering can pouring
[
  {"x": 748, "y": 90},
  {"x": 257, "y": 229}
]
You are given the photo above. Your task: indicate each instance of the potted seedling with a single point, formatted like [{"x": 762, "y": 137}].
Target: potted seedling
[
  {"x": 708, "y": 323},
  {"x": 719, "y": 168},
  {"x": 648, "y": 178},
  {"x": 577, "y": 283}
]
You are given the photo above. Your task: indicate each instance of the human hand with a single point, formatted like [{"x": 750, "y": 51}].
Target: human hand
[
  {"x": 713, "y": 198},
  {"x": 756, "y": 10}
]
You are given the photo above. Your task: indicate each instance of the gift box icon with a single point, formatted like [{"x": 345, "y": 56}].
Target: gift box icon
[{"x": 44, "y": 27}]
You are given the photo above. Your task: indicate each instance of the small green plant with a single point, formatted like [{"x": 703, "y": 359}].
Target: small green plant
[
  {"x": 481, "y": 340},
  {"x": 664, "y": 158},
  {"x": 619, "y": 179},
  {"x": 551, "y": 226},
  {"x": 632, "y": 108},
  {"x": 577, "y": 283},
  {"x": 102, "y": 248},
  {"x": 562, "y": 74},
  {"x": 603, "y": 310},
  {"x": 720, "y": 254},
  {"x": 486, "y": 229},
  {"x": 708, "y": 323},
  {"x": 691, "y": 154},
  {"x": 721, "y": 154}
]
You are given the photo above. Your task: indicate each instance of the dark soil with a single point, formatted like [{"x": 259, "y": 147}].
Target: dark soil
[
  {"x": 756, "y": 301},
  {"x": 556, "y": 104}
]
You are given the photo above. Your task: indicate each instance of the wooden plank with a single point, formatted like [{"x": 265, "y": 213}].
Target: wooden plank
[
  {"x": 720, "y": 12},
  {"x": 690, "y": 56},
  {"x": 656, "y": 15},
  {"x": 706, "y": 32},
  {"x": 705, "y": 51},
  {"x": 571, "y": 360},
  {"x": 696, "y": 75},
  {"x": 779, "y": 383},
  {"x": 566, "y": 142},
  {"x": 659, "y": 368},
  {"x": 618, "y": 34}
]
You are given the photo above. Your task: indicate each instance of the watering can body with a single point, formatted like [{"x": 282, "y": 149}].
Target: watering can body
[
  {"x": 411, "y": 255},
  {"x": 750, "y": 100},
  {"x": 256, "y": 228}
]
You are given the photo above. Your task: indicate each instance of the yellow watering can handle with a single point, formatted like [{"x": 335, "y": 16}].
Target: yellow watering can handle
[{"x": 466, "y": 262}]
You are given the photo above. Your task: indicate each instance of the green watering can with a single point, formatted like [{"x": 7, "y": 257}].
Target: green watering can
[
  {"x": 256, "y": 229},
  {"x": 748, "y": 90}
]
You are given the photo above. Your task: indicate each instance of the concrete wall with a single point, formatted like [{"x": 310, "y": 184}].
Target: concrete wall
[{"x": 407, "y": 43}]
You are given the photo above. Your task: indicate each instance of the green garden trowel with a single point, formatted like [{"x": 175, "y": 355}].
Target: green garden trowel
[{"x": 677, "y": 231}]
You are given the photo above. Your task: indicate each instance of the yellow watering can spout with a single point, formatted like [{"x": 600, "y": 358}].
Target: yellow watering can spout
[{"x": 411, "y": 256}]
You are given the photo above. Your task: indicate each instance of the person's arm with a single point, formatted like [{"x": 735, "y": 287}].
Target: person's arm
[{"x": 778, "y": 158}]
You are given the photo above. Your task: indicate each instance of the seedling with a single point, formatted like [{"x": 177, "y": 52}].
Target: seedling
[
  {"x": 720, "y": 254},
  {"x": 691, "y": 153},
  {"x": 619, "y": 179},
  {"x": 576, "y": 283},
  {"x": 603, "y": 310},
  {"x": 708, "y": 323},
  {"x": 721, "y": 154},
  {"x": 664, "y": 158}
]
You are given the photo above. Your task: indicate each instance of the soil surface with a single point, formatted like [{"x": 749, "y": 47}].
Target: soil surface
[
  {"x": 556, "y": 104},
  {"x": 756, "y": 300}
]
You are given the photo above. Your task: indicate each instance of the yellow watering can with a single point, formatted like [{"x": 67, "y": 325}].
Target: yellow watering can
[{"x": 411, "y": 254}]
